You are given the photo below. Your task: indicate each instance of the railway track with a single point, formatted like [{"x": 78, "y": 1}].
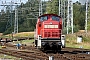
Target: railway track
[
  {"x": 26, "y": 55},
  {"x": 16, "y": 39},
  {"x": 32, "y": 53}
]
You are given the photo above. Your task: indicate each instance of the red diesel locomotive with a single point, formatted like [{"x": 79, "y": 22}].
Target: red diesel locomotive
[{"x": 48, "y": 32}]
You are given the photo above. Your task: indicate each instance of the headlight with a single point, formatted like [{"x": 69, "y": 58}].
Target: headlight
[{"x": 59, "y": 43}]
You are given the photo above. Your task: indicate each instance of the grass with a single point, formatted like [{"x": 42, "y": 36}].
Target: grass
[
  {"x": 71, "y": 41},
  {"x": 28, "y": 42},
  {"x": 79, "y": 45},
  {"x": 7, "y": 57},
  {"x": 22, "y": 34}
]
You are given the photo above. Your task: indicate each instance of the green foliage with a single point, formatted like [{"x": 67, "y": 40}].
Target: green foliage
[
  {"x": 26, "y": 12},
  {"x": 24, "y": 15},
  {"x": 8, "y": 31},
  {"x": 89, "y": 17},
  {"x": 71, "y": 41},
  {"x": 79, "y": 15},
  {"x": 75, "y": 29},
  {"x": 88, "y": 25},
  {"x": 2, "y": 29},
  {"x": 52, "y": 7},
  {"x": 86, "y": 39}
]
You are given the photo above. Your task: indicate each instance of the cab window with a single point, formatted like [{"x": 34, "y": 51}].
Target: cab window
[
  {"x": 43, "y": 18},
  {"x": 56, "y": 18}
]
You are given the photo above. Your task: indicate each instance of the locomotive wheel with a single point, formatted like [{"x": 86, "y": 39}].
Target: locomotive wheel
[{"x": 59, "y": 49}]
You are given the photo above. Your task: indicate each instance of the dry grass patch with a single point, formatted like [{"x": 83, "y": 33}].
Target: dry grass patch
[
  {"x": 21, "y": 34},
  {"x": 71, "y": 40},
  {"x": 1, "y": 34},
  {"x": 24, "y": 34}
]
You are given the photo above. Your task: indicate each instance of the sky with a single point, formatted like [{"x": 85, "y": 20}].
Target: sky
[
  {"x": 15, "y": 1},
  {"x": 8, "y": 2},
  {"x": 83, "y": 1},
  {"x": 23, "y": 0},
  {"x": 75, "y": 0}
]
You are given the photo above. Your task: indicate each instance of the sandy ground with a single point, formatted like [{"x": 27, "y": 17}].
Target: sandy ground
[{"x": 1, "y": 34}]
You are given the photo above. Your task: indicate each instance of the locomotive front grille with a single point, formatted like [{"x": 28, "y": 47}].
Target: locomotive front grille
[
  {"x": 47, "y": 34},
  {"x": 51, "y": 34},
  {"x": 55, "y": 34}
]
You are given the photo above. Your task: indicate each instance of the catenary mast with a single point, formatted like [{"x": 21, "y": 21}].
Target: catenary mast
[
  {"x": 86, "y": 16},
  {"x": 70, "y": 16}
]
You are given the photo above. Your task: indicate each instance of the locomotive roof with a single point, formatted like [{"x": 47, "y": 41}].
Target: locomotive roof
[{"x": 48, "y": 14}]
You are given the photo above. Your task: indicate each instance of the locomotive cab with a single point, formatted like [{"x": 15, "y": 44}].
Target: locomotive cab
[{"x": 48, "y": 32}]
